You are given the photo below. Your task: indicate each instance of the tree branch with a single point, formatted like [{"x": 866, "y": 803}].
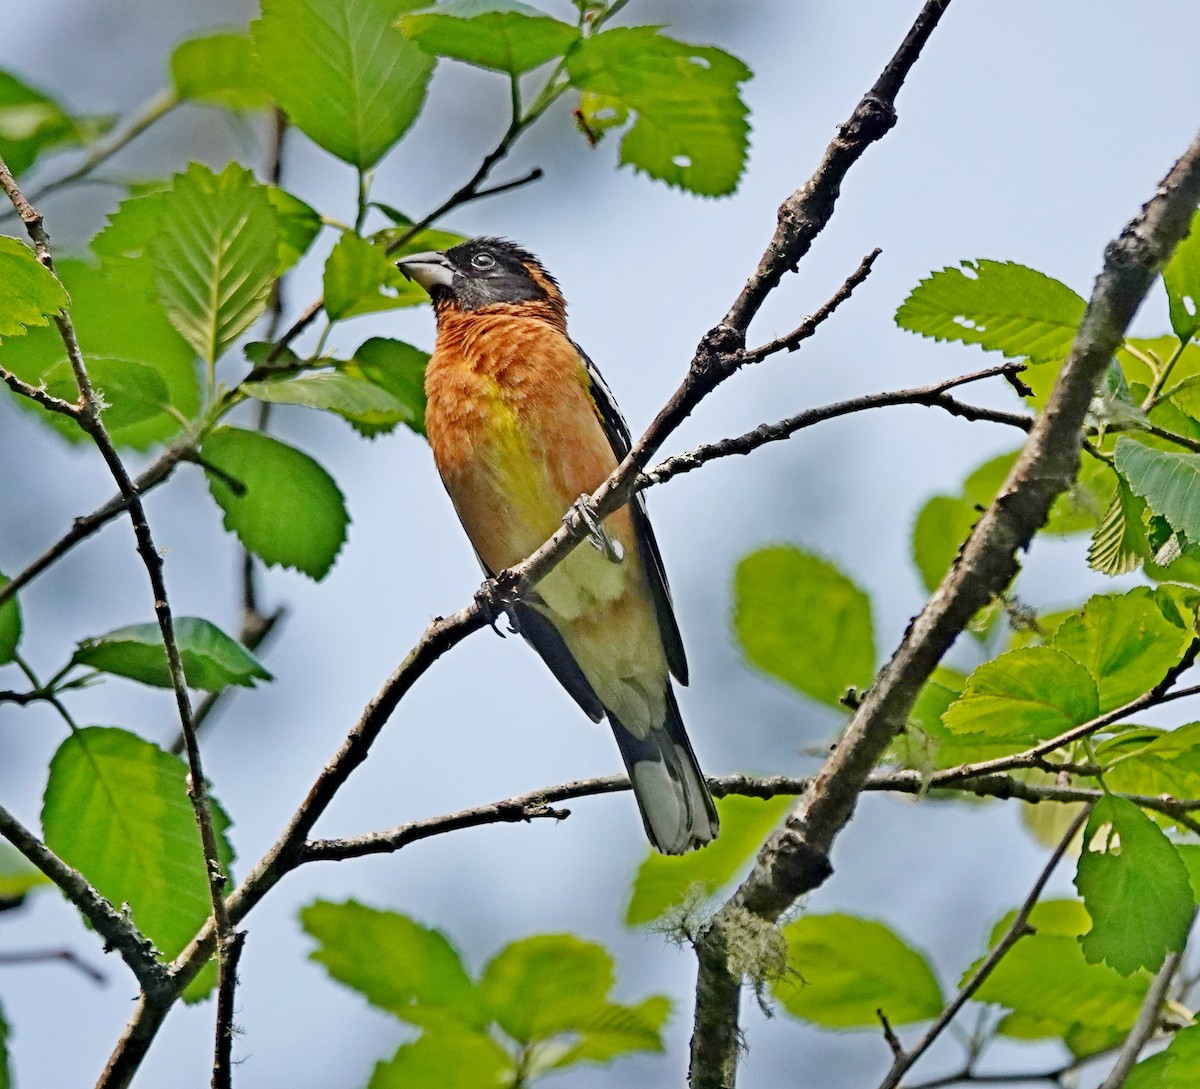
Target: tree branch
[
  {"x": 1016, "y": 930},
  {"x": 795, "y": 859},
  {"x": 117, "y": 929}
]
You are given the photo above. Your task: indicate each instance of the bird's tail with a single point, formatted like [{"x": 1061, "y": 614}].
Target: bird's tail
[{"x": 675, "y": 804}]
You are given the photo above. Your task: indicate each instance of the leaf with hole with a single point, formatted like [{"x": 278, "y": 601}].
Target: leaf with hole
[
  {"x": 690, "y": 128},
  {"x": 1000, "y": 306},
  {"x": 1182, "y": 279}
]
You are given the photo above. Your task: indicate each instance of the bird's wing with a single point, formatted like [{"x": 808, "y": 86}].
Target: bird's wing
[{"x": 620, "y": 440}]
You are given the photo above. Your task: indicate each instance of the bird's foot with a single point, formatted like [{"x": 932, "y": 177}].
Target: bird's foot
[
  {"x": 599, "y": 537},
  {"x": 495, "y": 601}
]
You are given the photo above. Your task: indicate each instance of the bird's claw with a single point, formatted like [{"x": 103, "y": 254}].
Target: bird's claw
[
  {"x": 494, "y": 603},
  {"x": 599, "y": 537}
]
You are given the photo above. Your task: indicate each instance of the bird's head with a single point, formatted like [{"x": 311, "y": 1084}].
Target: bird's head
[{"x": 484, "y": 272}]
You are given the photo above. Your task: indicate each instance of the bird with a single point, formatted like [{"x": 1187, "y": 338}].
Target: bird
[{"x": 522, "y": 427}]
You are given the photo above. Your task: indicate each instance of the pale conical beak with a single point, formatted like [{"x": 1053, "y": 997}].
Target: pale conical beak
[{"x": 430, "y": 270}]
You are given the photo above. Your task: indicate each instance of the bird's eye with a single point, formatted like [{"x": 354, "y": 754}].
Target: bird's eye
[{"x": 483, "y": 261}]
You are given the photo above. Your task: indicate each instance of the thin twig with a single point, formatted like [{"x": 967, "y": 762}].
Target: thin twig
[
  {"x": 68, "y": 956},
  {"x": 90, "y": 420},
  {"x": 39, "y": 394},
  {"x": 932, "y": 396},
  {"x": 1016, "y": 930},
  {"x": 226, "y": 991},
  {"x": 1148, "y": 1019},
  {"x": 117, "y": 929}
]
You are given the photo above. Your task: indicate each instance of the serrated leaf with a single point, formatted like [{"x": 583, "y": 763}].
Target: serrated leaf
[
  {"x": 398, "y": 965},
  {"x": 801, "y": 620},
  {"x": 844, "y": 970},
  {"x": 29, "y": 293},
  {"x": 288, "y": 510},
  {"x": 18, "y": 877},
  {"x": 612, "y": 1030},
  {"x": 215, "y": 255},
  {"x": 1154, "y": 762},
  {"x": 666, "y": 881},
  {"x": 211, "y": 659},
  {"x": 690, "y": 129},
  {"x": 1025, "y": 696},
  {"x": 356, "y": 273},
  {"x": 299, "y": 224},
  {"x": 1125, "y": 642},
  {"x": 343, "y": 72},
  {"x": 445, "y": 1059},
  {"x": 32, "y": 123},
  {"x": 116, "y": 808},
  {"x": 1119, "y": 544},
  {"x": 1182, "y": 279},
  {"x": 503, "y": 35},
  {"x": 219, "y": 70},
  {"x": 999, "y": 305},
  {"x": 1051, "y": 989},
  {"x": 1136, "y": 889},
  {"x": 115, "y": 317},
  {"x": 1175, "y": 1067},
  {"x": 399, "y": 369},
  {"x": 1167, "y": 481},
  {"x": 348, "y": 395},
  {"x": 10, "y": 625}
]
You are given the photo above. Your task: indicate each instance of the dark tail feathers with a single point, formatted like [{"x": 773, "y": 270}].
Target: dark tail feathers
[{"x": 675, "y": 804}]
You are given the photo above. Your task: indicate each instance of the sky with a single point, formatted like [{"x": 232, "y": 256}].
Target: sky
[{"x": 1029, "y": 131}]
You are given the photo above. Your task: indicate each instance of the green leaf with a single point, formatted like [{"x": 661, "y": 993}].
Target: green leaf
[
  {"x": 1001, "y": 306},
  {"x": 477, "y": 1062},
  {"x": 500, "y": 34},
  {"x": 219, "y": 70},
  {"x": 665, "y": 881},
  {"x": 398, "y": 965},
  {"x": 1125, "y": 642},
  {"x": 1167, "y": 481},
  {"x": 1136, "y": 889},
  {"x": 1051, "y": 989},
  {"x": 32, "y": 123},
  {"x": 550, "y": 994},
  {"x": 1119, "y": 543},
  {"x": 10, "y": 625},
  {"x": 942, "y": 526},
  {"x": 29, "y": 293},
  {"x": 399, "y": 369},
  {"x": 116, "y": 318},
  {"x": 1154, "y": 762},
  {"x": 801, "y": 620},
  {"x": 18, "y": 878},
  {"x": 211, "y": 659},
  {"x": 135, "y": 396},
  {"x": 539, "y": 987},
  {"x": 343, "y": 72},
  {"x": 350, "y": 396},
  {"x": 1176, "y": 1067},
  {"x": 286, "y": 510},
  {"x": 215, "y": 255},
  {"x": 1025, "y": 696},
  {"x": 690, "y": 129},
  {"x": 1182, "y": 278},
  {"x": 845, "y": 970},
  {"x": 116, "y": 808},
  {"x": 356, "y": 273},
  {"x": 299, "y": 224}
]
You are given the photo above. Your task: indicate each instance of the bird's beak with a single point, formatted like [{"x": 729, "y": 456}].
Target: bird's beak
[{"x": 430, "y": 270}]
